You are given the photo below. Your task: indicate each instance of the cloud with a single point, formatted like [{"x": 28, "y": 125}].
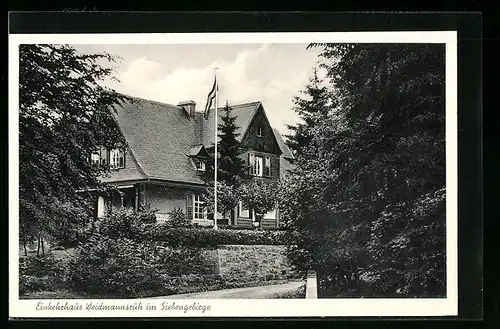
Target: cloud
[{"x": 262, "y": 73}]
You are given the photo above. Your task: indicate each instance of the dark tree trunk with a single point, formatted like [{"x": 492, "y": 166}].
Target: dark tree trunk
[
  {"x": 38, "y": 246},
  {"x": 24, "y": 246},
  {"x": 43, "y": 248}
]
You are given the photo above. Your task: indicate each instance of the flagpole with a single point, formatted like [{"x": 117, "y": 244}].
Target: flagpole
[{"x": 216, "y": 141}]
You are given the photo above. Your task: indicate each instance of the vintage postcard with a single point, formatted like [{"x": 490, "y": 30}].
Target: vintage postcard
[{"x": 233, "y": 175}]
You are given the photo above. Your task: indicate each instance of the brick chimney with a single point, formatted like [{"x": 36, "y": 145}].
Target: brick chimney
[{"x": 189, "y": 107}]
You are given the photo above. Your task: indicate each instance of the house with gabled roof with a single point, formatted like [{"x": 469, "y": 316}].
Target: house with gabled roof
[{"x": 167, "y": 146}]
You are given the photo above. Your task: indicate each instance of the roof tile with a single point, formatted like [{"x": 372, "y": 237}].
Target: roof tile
[{"x": 161, "y": 138}]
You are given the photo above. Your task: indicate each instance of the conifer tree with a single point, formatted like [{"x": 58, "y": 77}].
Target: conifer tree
[
  {"x": 365, "y": 205},
  {"x": 313, "y": 107},
  {"x": 230, "y": 167}
]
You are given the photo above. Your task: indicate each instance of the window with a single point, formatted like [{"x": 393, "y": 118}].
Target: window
[
  {"x": 200, "y": 165},
  {"x": 117, "y": 159},
  {"x": 255, "y": 162},
  {"x": 244, "y": 212},
  {"x": 95, "y": 158},
  {"x": 194, "y": 207},
  {"x": 271, "y": 214},
  {"x": 114, "y": 158},
  {"x": 104, "y": 154},
  {"x": 198, "y": 212},
  {"x": 267, "y": 167},
  {"x": 259, "y": 131}
]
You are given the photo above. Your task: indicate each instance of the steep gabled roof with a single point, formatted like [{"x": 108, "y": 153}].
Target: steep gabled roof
[
  {"x": 163, "y": 137},
  {"x": 286, "y": 156},
  {"x": 160, "y": 136},
  {"x": 243, "y": 113},
  {"x": 198, "y": 150},
  {"x": 284, "y": 148}
]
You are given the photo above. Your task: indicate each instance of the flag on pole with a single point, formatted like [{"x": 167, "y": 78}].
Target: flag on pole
[{"x": 211, "y": 97}]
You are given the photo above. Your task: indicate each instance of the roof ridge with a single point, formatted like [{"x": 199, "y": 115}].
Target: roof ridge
[
  {"x": 150, "y": 100},
  {"x": 241, "y": 104}
]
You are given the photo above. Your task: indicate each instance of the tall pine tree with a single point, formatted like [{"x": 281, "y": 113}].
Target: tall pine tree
[
  {"x": 313, "y": 106},
  {"x": 368, "y": 210},
  {"x": 230, "y": 167}
]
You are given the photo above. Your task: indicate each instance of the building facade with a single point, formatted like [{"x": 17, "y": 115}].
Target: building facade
[{"x": 167, "y": 144}]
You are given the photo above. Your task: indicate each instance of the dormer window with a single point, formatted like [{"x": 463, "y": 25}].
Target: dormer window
[
  {"x": 200, "y": 165},
  {"x": 117, "y": 159}
]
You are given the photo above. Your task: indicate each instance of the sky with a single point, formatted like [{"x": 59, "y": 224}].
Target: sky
[{"x": 270, "y": 73}]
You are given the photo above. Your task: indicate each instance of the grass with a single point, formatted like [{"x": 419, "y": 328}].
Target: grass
[
  {"x": 300, "y": 293},
  {"x": 58, "y": 294}
]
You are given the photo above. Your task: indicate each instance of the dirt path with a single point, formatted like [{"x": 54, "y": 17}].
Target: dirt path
[{"x": 263, "y": 292}]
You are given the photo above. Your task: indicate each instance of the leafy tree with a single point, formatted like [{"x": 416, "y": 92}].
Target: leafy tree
[
  {"x": 65, "y": 114},
  {"x": 259, "y": 196},
  {"x": 367, "y": 211},
  {"x": 227, "y": 198}
]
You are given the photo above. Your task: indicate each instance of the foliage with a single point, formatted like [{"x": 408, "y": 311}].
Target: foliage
[
  {"x": 313, "y": 107},
  {"x": 64, "y": 115},
  {"x": 227, "y": 197},
  {"x": 177, "y": 218},
  {"x": 414, "y": 255},
  {"x": 231, "y": 168},
  {"x": 195, "y": 237},
  {"x": 119, "y": 267},
  {"x": 70, "y": 229},
  {"x": 259, "y": 196},
  {"x": 39, "y": 273},
  {"x": 124, "y": 223},
  {"x": 364, "y": 205}
]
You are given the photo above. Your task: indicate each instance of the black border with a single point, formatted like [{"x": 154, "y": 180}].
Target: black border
[{"x": 468, "y": 26}]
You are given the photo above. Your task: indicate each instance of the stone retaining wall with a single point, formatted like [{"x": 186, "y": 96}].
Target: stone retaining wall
[{"x": 242, "y": 263}]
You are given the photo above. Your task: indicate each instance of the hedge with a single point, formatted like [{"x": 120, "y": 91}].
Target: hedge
[
  {"x": 125, "y": 268},
  {"x": 195, "y": 237}
]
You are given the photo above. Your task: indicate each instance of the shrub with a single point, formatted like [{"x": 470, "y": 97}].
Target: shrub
[
  {"x": 182, "y": 260},
  {"x": 212, "y": 238},
  {"x": 125, "y": 223},
  {"x": 177, "y": 219},
  {"x": 122, "y": 267},
  {"x": 67, "y": 224},
  {"x": 118, "y": 267},
  {"x": 233, "y": 227},
  {"x": 39, "y": 273}
]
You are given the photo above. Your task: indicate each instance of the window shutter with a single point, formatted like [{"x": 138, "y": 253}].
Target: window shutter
[
  {"x": 104, "y": 156},
  {"x": 112, "y": 158},
  {"x": 267, "y": 167},
  {"x": 251, "y": 160},
  {"x": 121, "y": 158},
  {"x": 189, "y": 206}
]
